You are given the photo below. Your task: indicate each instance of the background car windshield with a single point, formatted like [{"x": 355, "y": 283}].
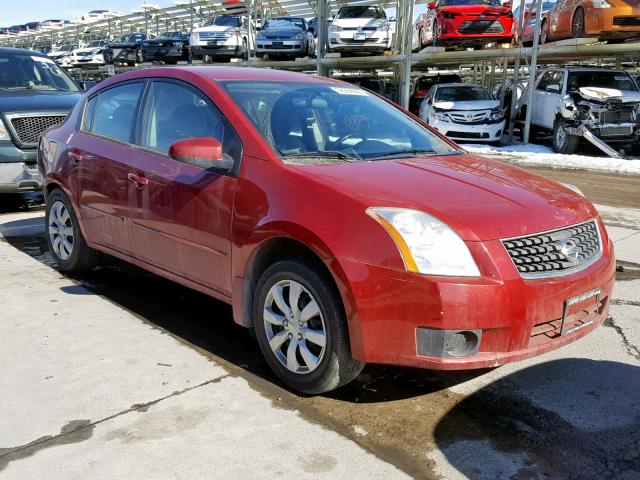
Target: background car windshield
[
  {"x": 601, "y": 79},
  {"x": 493, "y": 3},
  {"x": 360, "y": 12},
  {"x": 325, "y": 119},
  {"x": 298, "y": 22},
  {"x": 29, "y": 72},
  {"x": 425, "y": 83},
  {"x": 279, "y": 24},
  {"x": 224, "y": 21},
  {"x": 462, "y": 94}
]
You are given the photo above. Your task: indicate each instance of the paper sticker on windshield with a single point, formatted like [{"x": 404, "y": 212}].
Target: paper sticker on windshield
[
  {"x": 349, "y": 91},
  {"x": 621, "y": 78},
  {"x": 42, "y": 59}
]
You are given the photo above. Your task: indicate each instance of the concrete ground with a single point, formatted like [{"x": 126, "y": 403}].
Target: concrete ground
[{"x": 118, "y": 373}]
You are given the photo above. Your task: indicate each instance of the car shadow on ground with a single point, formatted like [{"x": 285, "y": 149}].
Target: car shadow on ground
[{"x": 568, "y": 418}]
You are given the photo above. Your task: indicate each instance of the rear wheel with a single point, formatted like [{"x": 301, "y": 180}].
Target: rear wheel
[
  {"x": 544, "y": 32},
  {"x": 301, "y": 328},
  {"x": 434, "y": 34},
  {"x": 64, "y": 237},
  {"x": 563, "y": 142},
  {"x": 577, "y": 24}
]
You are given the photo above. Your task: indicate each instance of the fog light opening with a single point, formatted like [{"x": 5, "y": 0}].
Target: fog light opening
[{"x": 461, "y": 344}]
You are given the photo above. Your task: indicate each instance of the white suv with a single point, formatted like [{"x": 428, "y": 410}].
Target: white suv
[
  {"x": 222, "y": 36},
  {"x": 360, "y": 29}
]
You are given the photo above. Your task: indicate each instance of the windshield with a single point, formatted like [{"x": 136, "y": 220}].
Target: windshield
[
  {"x": 601, "y": 79},
  {"x": 298, "y": 22},
  {"x": 462, "y": 94},
  {"x": 326, "y": 123},
  {"x": 225, "y": 21},
  {"x": 27, "y": 72},
  {"x": 361, "y": 12},
  {"x": 492, "y": 3}
]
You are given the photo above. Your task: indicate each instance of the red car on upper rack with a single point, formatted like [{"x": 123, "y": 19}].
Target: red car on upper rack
[{"x": 467, "y": 22}]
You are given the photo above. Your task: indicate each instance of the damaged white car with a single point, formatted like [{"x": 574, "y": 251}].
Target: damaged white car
[
  {"x": 463, "y": 112},
  {"x": 599, "y": 105}
]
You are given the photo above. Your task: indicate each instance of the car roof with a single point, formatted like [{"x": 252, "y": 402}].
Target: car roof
[
  {"x": 14, "y": 51},
  {"x": 458, "y": 84},
  {"x": 221, "y": 74}
]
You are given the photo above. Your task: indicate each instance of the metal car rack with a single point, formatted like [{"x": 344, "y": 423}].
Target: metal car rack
[{"x": 487, "y": 65}]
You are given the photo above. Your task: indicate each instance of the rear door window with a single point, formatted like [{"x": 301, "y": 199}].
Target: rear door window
[{"x": 115, "y": 112}]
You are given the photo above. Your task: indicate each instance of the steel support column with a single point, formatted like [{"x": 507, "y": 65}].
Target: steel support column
[
  {"x": 323, "y": 28},
  {"x": 404, "y": 32},
  {"x": 532, "y": 75}
]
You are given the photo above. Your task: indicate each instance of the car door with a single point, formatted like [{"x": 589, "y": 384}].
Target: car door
[
  {"x": 545, "y": 98},
  {"x": 181, "y": 213},
  {"x": 101, "y": 150}
]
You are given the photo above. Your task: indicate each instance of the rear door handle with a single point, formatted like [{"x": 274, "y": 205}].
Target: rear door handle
[{"x": 138, "y": 181}]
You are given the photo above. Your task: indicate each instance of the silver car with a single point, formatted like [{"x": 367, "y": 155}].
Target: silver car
[{"x": 285, "y": 37}]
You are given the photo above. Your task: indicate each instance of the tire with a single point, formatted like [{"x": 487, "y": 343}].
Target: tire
[
  {"x": 245, "y": 51},
  {"x": 330, "y": 366},
  {"x": 544, "y": 32},
  {"x": 563, "y": 142},
  {"x": 139, "y": 56},
  {"x": 69, "y": 249},
  {"x": 577, "y": 24},
  {"x": 434, "y": 34}
]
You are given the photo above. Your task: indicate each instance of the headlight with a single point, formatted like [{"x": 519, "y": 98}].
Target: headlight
[
  {"x": 441, "y": 116},
  {"x": 572, "y": 187},
  {"x": 600, "y": 4},
  {"x": 496, "y": 115},
  {"x": 298, "y": 37},
  {"x": 426, "y": 244},
  {"x": 229, "y": 33},
  {"x": 384, "y": 27},
  {"x": 260, "y": 36},
  {"x": 335, "y": 28},
  {"x": 4, "y": 134}
]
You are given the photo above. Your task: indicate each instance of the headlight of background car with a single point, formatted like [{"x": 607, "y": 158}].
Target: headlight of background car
[
  {"x": 298, "y": 37},
  {"x": 600, "y": 4},
  {"x": 4, "y": 134},
  {"x": 384, "y": 27},
  {"x": 441, "y": 116},
  {"x": 426, "y": 244},
  {"x": 496, "y": 114},
  {"x": 335, "y": 28}
]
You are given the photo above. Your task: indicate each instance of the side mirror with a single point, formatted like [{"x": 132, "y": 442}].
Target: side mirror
[
  {"x": 431, "y": 5},
  {"x": 553, "y": 88},
  {"x": 203, "y": 152}
]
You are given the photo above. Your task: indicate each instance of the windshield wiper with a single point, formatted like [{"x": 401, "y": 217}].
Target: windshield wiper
[
  {"x": 409, "y": 153},
  {"x": 335, "y": 154}
]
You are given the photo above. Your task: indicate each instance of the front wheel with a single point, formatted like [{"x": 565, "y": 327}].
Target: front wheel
[
  {"x": 64, "y": 237},
  {"x": 577, "y": 25},
  {"x": 563, "y": 142},
  {"x": 301, "y": 328},
  {"x": 544, "y": 32}
]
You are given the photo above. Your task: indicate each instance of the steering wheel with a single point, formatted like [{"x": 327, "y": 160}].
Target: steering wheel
[{"x": 346, "y": 137}]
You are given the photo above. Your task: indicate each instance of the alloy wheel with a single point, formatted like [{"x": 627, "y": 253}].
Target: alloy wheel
[
  {"x": 578, "y": 23},
  {"x": 60, "y": 230},
  {"x": 294, "y": 326},
  {"x": 561, "y": 137}
]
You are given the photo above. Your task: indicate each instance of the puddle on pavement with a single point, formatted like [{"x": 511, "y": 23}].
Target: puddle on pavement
[{"x": 398, "y": 414}]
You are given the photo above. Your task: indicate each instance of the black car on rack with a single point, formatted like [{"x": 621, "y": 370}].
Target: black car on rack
[
  {"x": 170, "y": 47},
  {"x": 127, "y": 49},
  {"x": 35, "y": 94}
]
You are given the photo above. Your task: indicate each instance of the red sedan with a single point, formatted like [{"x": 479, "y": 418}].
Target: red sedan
[
  {"x": 338, "y": 240},
  {"x": 467, "y": 23}
]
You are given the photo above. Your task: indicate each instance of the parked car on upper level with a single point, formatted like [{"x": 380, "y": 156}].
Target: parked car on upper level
[
  {"x": 169, "y": 47},
  {"x": 92, "y": 54},
  {"x": 529, "y": 20},
  {"x": 422, "y": 84},
  {"x": 341, "y": 229},
  {"x": 18, "y": 29},
  {"x": 97, "y": 15},
  {"x": 55, "y": 24},
  {"x": 371, "y": 83},
  {"x": 33, "y": 26},
  {"x": 360, "y": 29},
  {"x": 464, "y": 112},
  {"x": 468, "y": 22},
  {"x": 61, "y": 54},
  {"x": 419, "y": 37},
  {"x": 573, "y": 102},
  {"x": 223, "y": 36},
  {"x": 285, "y": 37},
  {"x": 612, "y": 20},
  {"x": 127, "y": 49},
  {"x": 35, "y": 94}
]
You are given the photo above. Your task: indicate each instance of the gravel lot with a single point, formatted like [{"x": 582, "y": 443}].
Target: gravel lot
[{"x": 121, "y": 374}]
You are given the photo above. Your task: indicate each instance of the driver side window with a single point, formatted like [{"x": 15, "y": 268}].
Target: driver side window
[{"x": 175, "y": 112}]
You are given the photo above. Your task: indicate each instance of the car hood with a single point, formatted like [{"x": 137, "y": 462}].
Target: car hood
[
  {"x": 37, "y": 101},
  {"x": 58, "y": 54},
  {"x": 282, "y": 31},
  {"x": 482, "y": 9},
  {"x": 469, "y": 105},
  {"x": 92, "y": 50},
  {"x": 122, "y": 45},
  {"x": 162, "y": 41},
  {"x": 359, "y": 22},
  {"x": 215, "y": 28},
  {"x": 481, "y": 199},
  {"x": 609, "y": 94}
]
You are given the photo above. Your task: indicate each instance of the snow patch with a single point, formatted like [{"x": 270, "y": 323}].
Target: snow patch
[{"x": 532, "y": 154}]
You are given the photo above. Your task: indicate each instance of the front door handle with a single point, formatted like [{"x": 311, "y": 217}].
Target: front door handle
[{"x": 138, "y": 181}]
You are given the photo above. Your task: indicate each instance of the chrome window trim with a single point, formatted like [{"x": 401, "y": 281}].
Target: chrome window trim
[{"x": 559, "y": 273}]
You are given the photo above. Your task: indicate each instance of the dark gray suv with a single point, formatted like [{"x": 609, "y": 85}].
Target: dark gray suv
[{"x": 35, "y": 94}]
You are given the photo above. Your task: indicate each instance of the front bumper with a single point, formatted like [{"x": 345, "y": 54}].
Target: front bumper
[
  {"x": 461, "y": 29},
  {"x": 387, "y": 308},
  {"x": 469, "y": 132},
  {"x": 615, "y": 22},
  {"x": 230, "y": 47},
  {"x": 280, "y": 47},
  {"x": 19, "y": 177},
  {"x": 377, "y": 41}
]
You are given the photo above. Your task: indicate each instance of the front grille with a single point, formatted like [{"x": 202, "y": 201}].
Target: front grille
[
  {"x": 363, "y": 29},
  {"x": 468, "y": 117},
  {"x": 616, "y": 131},
  {"x": 555, "y": 253},
  {"x": 279, "y": 37},
  {"x": 480, "y": 26},
  {"x": 214, "y": 35},
  {"x": 471, "y": 135},
  {"x": 28, "y": 129},
  {"x": 626, "y": 21}
]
